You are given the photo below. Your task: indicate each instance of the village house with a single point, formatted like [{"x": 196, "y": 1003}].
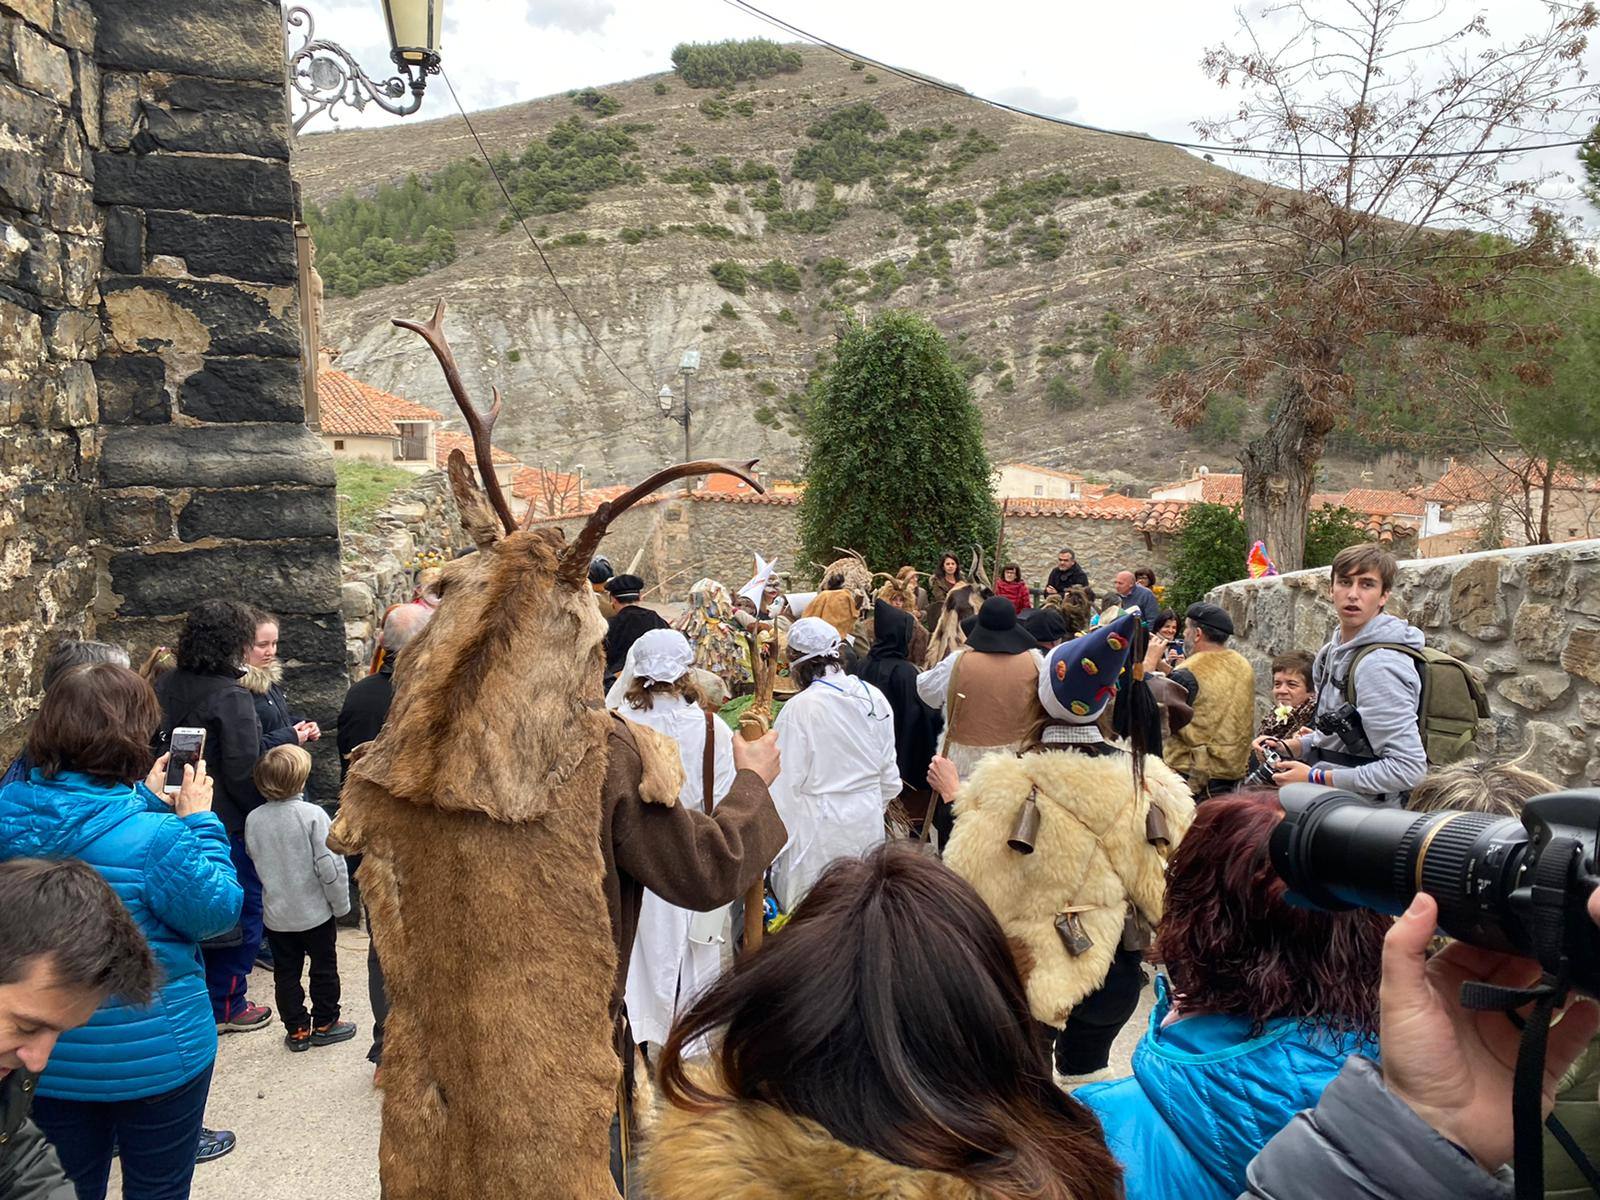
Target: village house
[{"x": 357, "y": 421}]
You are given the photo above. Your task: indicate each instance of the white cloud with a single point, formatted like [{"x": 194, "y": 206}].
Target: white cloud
[
  {"x": 574, "y": 16},
  {"x": 1035, "y": 100}
]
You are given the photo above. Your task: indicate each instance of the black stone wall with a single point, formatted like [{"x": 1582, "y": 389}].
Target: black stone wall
[{"x": 159, "y": 327}]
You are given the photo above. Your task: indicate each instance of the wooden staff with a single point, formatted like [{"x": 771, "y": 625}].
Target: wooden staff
[{"x": 754, "y": 725}]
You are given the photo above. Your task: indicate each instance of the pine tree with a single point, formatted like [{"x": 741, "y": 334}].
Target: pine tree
[{"x": 896, "y": 467}]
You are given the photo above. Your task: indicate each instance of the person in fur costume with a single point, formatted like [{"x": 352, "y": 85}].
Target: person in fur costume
[
  {"x": 879, "y": 1047},
  {"x": 1100, "y": 820}
]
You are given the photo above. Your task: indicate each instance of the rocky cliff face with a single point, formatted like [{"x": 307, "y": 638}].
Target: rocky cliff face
[{"x": 1029, "y": 283}]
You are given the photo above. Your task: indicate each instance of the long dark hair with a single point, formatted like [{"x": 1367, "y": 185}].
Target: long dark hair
[
  {"x": 890, "y": 1011},
  {"x": 1234, "y": 944},
  {"x": 215, "y": 637},
  {"x": 939, "y": 571}
]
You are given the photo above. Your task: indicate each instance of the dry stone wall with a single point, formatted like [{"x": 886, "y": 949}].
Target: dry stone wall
[
  {"x": 381, "y": 565},
  {"x": 153, "y": 448},
  {"x": 1526, "y": 619}
]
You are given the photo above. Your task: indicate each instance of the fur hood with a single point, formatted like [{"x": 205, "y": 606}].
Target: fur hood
[
  {"x": 1091, "y": 854},
  {"x": 258, "y": 681},
  {"x": 748, "y": 1151}
]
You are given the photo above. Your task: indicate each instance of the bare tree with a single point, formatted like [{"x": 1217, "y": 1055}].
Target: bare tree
[
  {"x": 1395, "y": 206},
  {"x": 558, "y": 492}
]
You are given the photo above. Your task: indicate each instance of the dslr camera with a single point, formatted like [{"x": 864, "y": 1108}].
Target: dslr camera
[{"x": 1519, "y": 887}]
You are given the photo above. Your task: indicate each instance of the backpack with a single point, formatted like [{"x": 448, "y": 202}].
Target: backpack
[{"x": 1452, "y": 703}]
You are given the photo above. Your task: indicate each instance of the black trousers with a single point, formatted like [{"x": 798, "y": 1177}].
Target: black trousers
[
  {"x": 289, "y": 954},
  {"x": 1084, "y": 1046},
  {"x": 378, "y": 995}
]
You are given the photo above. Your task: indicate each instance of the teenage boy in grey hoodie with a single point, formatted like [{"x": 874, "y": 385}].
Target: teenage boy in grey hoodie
[{"x": 1388, "y": 690}]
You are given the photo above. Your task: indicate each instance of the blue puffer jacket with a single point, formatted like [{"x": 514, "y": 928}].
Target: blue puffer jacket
[
  {"x": 1205, "y": 1097},
  {"x": 175, "y": 876}
]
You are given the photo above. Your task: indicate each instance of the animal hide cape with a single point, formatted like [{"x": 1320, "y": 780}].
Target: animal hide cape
[
  {"x": 1090, "y": 851},
  {"x": 752, "y": 1151},
  {"x": 478, "y": 810}
]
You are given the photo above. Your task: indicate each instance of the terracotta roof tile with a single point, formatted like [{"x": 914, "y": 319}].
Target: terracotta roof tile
[
  {"x": 1215, "y": 488},
  {"x": 348, "y": 406},
  {"x": 1022, "y": 466},
  {"x": 443, "y": 443},
  {"x": 1380, "y": 500}
]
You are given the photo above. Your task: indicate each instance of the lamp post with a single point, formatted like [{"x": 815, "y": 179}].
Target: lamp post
[
  {"x": 324, "y": 73},
  {"x": 664, "y": 401}
]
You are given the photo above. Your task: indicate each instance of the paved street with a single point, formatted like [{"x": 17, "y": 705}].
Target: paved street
[{"x": 308, "y": 1123}]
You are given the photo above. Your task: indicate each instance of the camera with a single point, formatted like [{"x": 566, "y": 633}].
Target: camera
[
  {"x": 1519, "y": 887},
  {"x": 1262, "y": 775},
  {"x": 1344, "y": 723}
]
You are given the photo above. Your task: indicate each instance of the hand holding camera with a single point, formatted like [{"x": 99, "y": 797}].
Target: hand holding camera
[{"x": 1454, "y": 1067}]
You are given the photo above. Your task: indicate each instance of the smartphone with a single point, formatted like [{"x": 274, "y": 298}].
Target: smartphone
[{"x": 185, "y": 747}]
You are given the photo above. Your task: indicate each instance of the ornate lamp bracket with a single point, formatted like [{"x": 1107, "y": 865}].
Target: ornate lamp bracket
[{"x": 323, "y": 74}]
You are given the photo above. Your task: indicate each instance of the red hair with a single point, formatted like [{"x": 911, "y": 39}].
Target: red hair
[{"x": 1232, "y": 942}]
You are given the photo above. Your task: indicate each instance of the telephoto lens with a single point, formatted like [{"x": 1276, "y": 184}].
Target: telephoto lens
[{"x": 1338, "y": 851}]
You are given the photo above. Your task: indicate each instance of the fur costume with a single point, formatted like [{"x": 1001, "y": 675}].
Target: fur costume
[
  {"x": 509, "y": 826},
  {"x": 755, "y": 1152},
  {"x": 1090, "y": 851},
  {"x": 1215, "y": 744}
]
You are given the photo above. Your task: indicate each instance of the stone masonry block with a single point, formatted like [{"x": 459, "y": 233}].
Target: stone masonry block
[
  {"x": 244, "y": 389},
  {"x": 132, "y": 389},
  {"x": 248, "y": 187},
  {"x": 260, "y": 249},
  {"x": 215, "y": 456},
  {"x": 218, "y": 118},
  {"x": 125, "y": 240},
  {"x": 295, "y": 576},
  {"x": 202, "y": 315},
  {"x": 224, "y": 39},
  {"x": 1581, "y": 656},
  {"x": 311, "y": 637},
  {"x": 140, "y": 518},
  {"x": 260, "y": 513},
  {"x": 40, "y": 64}
]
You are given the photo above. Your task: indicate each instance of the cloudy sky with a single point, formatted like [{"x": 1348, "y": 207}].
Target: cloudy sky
[{"x": 1128, "y": 66}]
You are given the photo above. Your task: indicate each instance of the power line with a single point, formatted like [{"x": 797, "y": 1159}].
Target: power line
[
  {"x": 1131, "y": 135},
  {"x": 549, "y": 270}
]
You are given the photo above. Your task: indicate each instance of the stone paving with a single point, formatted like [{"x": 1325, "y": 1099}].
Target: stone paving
[{"x": 308, "y": 1123}]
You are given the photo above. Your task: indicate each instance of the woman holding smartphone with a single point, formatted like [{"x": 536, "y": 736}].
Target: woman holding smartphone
[{"x": 134, "y": 1078}]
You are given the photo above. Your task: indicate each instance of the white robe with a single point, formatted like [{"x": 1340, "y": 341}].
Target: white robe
[
  {"x": 838, "y": 775},
  {"x": 667, "y": 971}
]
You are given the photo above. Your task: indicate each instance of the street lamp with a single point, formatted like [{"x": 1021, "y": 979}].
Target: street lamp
[
  {"x": 324, "y": 74},
  {"x": 686, "y": 368}
]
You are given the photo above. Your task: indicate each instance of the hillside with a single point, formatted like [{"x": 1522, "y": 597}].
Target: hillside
[{"x": 1005, "y": 231}]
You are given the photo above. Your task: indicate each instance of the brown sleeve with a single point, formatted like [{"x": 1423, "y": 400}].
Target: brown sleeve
[{"x": 693, "y": 860}]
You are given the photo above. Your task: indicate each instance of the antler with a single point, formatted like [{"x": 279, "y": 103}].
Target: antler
[
  {"x": 575, "y": 561},
  {"x": 479, "y": 424}
]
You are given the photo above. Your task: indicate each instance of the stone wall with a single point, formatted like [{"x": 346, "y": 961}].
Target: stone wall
[
  {"x": 1102, "y": 547},
  {"x": 381, "y": 565},
  {"x": 1527, "y": 619},
  {"x": 150, "y": 340},
  {"x": 687, "y": 540},
  {"x": 51, "y": 236}
]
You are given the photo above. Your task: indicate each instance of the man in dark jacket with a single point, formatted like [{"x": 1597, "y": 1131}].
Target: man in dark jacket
[
  {"x": 66, "y": 944},
  {"x": 1066, "y": 573},
  {"x": 366, "y": 705},
  {"x": 630, "y": 621},
  {"x": 203, "y": 691}
]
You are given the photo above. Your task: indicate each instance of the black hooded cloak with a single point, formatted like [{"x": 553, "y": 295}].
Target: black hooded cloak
[{"x": 916, "y": 726}]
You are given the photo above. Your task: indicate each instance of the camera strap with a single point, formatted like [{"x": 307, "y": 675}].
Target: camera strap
[{"x": 1550, "y": 899}]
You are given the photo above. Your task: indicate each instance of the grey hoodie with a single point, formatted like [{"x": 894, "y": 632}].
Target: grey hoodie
[
  {"x": 1388, "y": 691},
  {"x": 303, "y": 883}
]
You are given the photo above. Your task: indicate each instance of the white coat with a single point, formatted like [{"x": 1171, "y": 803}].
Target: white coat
[
  {"x": 667, "y": 971},
  {"x": 839, "y": 773}
]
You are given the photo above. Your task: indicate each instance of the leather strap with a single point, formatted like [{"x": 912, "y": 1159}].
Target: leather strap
[{"x": 708, "y": 767}]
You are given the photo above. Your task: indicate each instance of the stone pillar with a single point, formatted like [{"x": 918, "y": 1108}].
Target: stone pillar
[
  {"x": 153, "y": 230},
  {"x": 50, "y": 247}
]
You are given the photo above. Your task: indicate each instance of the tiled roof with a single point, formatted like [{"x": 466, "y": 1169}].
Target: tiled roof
[
  {"x": 348, "y": 406},
  {"x": 724, "y": 483},
  {"x": 1162, "y": 516},
  {"x": 1102, "y": 508},
  {"x": 531, "y": 483},
  {"x": 445, "y": 442},
  {"x": 1381, "y": 500},
  {"x": 779, "y": 499},
  {"x": 1215, "y": 488}
]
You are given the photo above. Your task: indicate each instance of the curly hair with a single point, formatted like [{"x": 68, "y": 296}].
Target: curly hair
[
  {"x": 215, "y": 637},
  {"x": 1232, "y": 942},
  {"x": 642, "y": 693}
]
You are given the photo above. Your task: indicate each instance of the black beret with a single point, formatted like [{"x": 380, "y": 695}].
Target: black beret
[
  {"x": 1212, "y": 617},
  {"x": 622, "y": 586}
]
